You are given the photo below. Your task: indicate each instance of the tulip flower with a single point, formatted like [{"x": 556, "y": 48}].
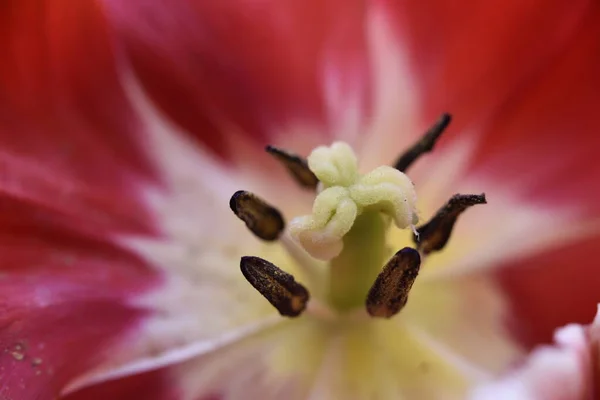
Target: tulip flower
[{"x": 425, "y": 213}]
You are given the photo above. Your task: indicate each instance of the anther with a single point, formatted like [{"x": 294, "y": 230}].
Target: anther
[
  {"x": 296, "y": 166},
  {"x": 278, "y": 287},
  {"x": 389, "y": 293},
  {"x": 264, "y": 220},
  {"x": 434, "y": 235},
  {"x": 424, "y": 145}
]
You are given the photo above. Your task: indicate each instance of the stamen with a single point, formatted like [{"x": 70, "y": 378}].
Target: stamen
[
  {"x": 424, "y": 145},
  {"x": 434, "y": 235},
  {"x": 264, "y": 220},
  {"x": 389, "y": 293},
  {"x": 278, "y": 287},
  {"x": 296, "y": 165}
]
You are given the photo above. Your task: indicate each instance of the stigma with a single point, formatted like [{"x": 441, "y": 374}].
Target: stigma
[{"x": 345, "y": 194}]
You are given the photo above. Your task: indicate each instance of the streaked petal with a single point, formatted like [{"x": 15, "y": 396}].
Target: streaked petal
[
  {"x": 189, "y": 206},
  {"x": 203, "y": 303},
  {"x": 71, "y": 164},
  {"x": 65, "y": 303},
  {"x": 242, "y": 66},
  {"x": 67, "y": 135},
  {"x": 535, "y": 157},
  {"x": 542, "y": 142},
  {"x": 556, "y": 169},
  {"x": 518, "y": 117},
  {"x": 469, "y": 58},
  {"x": 395, "y": 92}
]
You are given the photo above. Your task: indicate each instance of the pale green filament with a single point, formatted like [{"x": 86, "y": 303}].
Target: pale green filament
[
  {"x": 353, "y": 272},
  {"x": 349, "y": 219}
]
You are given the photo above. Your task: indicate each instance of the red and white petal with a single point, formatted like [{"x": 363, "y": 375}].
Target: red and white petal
[
  {"x": 65, "y": 302},
  {"x": 204, "y": 303},
  {"x": 395, "y": 93},
  {"x": 241, "y": 66},
  {"x": 567, "y": 370},
  {"x": 93, "y": 294},
  {"x": 67, "y": 135},
  {"x": 75, "y": 166},
  {"x": 104, "y": 193},
  {"x": 557, "y": 174},
  {"x": 541, "y": 143},
  {"x": 541, "y": 186},
  {"x": 70, "y": 164},
  {"x": 471, "y": 58},
  {"x": 522, "y": 142}
]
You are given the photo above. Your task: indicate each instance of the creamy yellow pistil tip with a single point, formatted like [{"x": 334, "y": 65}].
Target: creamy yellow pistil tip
[{"x": 346, "y": 194}]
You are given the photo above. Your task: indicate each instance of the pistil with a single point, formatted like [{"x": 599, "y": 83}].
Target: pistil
[{"x": 349, "y": 221}]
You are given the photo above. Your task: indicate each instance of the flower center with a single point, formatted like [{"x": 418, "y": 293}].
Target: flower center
[{"x": 347, "y": 228}]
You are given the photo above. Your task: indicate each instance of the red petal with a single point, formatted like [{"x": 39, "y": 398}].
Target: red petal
[
  {"x": 544, "y": 142},
  {"x": 155, "y": 385},
  {"x": 470, "y": 57},
  {"x": 63, "y": 301},
  {"x": 67, "y": 134},
  {"x": 70, "y": 164},
  {"x": 524, "y": 77},
  {"x": 544, "y": 145},
  {"x": 552, "y": 289},
  {"x": 247, "y": 63}
]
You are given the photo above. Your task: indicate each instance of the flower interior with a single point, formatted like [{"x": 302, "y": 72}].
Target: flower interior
[{"x": 352, "y": 276}]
